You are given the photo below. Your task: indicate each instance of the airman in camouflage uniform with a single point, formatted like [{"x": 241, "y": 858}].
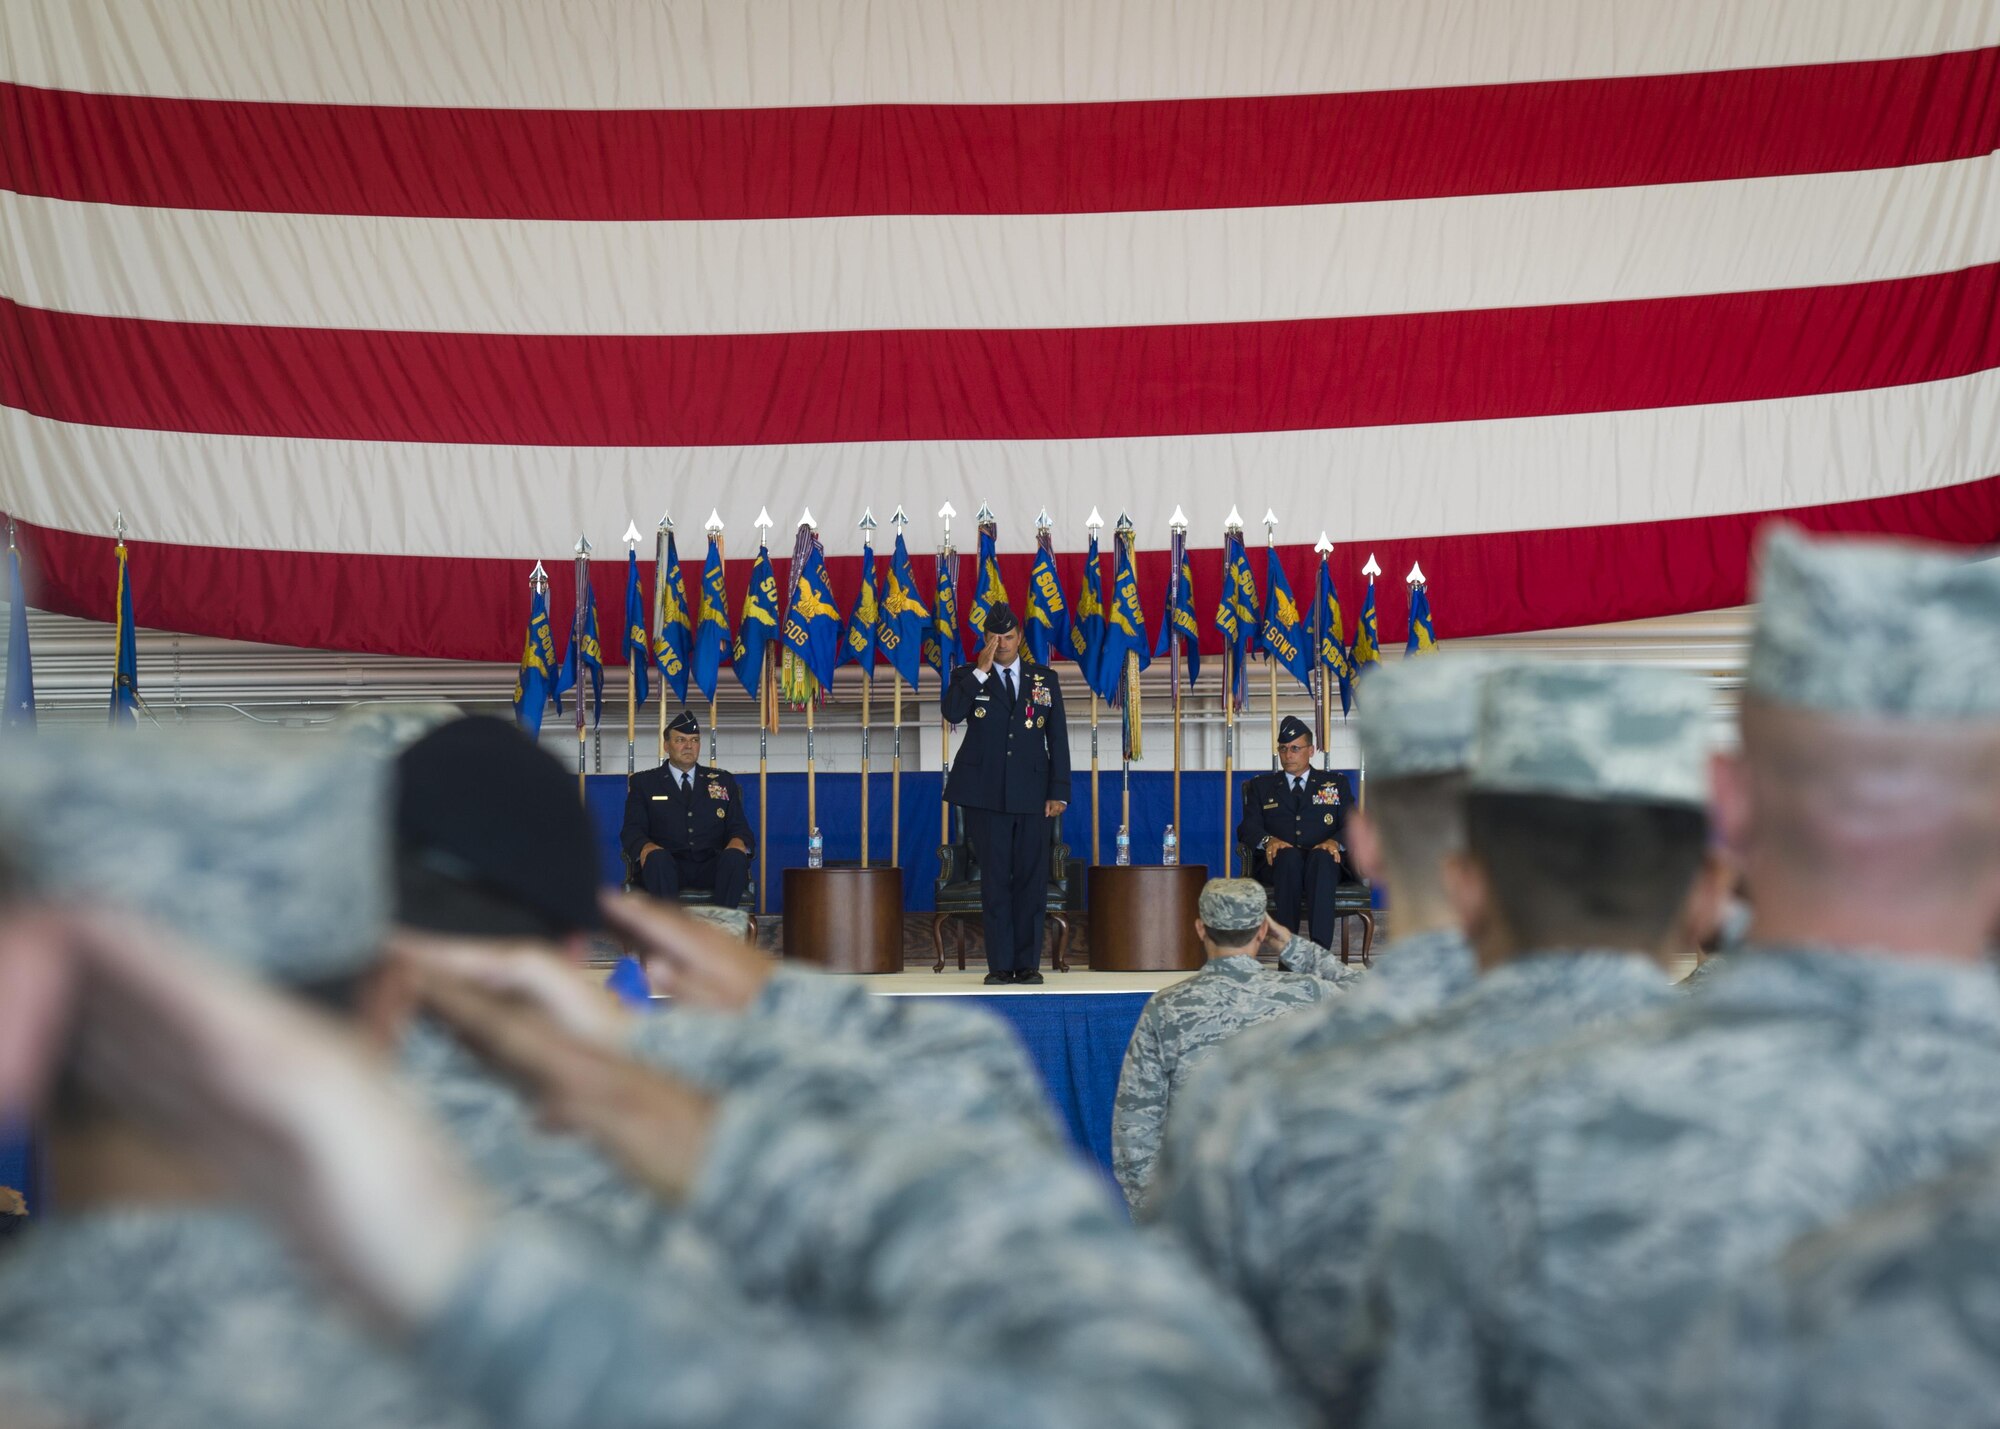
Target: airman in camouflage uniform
[
  {"x": 954, "y": 1279},
  {"x": 1183, "y": 1024},
  {"x": 130, "y": 1309},
  {"x": 1565, "y": 1227},
  {"x": 1416, "y": 731},
  {"x": 1309, "y": 1162}
]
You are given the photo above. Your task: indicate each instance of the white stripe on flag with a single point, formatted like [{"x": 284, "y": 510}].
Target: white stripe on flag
[
  {"x": 1018, "y": 271},
  {"x": 1380, "y": 483},
  {"x": 704, "y": 54}
]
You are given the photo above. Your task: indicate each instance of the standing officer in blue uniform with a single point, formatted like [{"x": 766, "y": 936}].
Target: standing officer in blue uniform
[
  {"x": 1010, "y": 778},
  {"x": 1295, "y": 822},
  {"x": 685, "y": 826}
]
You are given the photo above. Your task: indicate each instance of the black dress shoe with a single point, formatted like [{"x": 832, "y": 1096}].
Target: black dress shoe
[
  {"x": 996, "y": 979},
  {"x": 1033, "y": 978}
]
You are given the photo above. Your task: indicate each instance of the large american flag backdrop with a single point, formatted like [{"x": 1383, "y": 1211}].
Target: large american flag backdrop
[{"x": 356, "y": 309}]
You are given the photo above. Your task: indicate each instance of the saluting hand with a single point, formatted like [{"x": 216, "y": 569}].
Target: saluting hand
[{"x": 988, "y": 648}]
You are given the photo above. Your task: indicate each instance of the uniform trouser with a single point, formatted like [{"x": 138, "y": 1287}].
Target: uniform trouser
[
  {"x": 1013, "y": 854},
  {"x": 1303, "y": 885},
  {"x": 727, "y": 871}
]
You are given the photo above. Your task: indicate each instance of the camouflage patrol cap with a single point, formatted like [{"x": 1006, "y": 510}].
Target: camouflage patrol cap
[
  {"x": 1420, "y": 715},
  {"x": 1230, "y": 905},
  {"x": 1892, "y": 629},
  {"x": 1592, "y": 731},
  {"x": 733, "y": 921},
  {"x": 267, "y": 851}
]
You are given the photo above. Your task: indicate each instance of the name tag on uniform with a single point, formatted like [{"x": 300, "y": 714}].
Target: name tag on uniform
[
  {"x": 1270, "y": 803},
  {"x": 661, "y": 798}
]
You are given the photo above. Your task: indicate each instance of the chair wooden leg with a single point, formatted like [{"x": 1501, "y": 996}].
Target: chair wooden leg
[
  {"x": 1060, "y": 962},
  {"x": 1367, "y": 940},
  {"x": 1344, "y": 959},
  {"x": 962, "y": 934},
  {"x": 937, "y": 940}
]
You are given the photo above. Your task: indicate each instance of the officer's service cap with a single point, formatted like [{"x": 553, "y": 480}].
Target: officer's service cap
[
  {"x": 1293, "y": 728},
  {"x": 266, "y": 851},
  {"x": 1000, "y": 619},
  {"x": 480, "y": 806},
  {"x": 1231, "y": 905},
  {"x": 1419, "y": 715},
  {"x": 1870, "y": 627},
  {"x": 684, "y": 723},
  {"x": 1592, "y": 731}
]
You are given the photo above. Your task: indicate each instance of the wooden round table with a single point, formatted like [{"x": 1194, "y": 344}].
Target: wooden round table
[
  {"x": 846, "y": 919},
  {"x": 1142, "y": 917}
]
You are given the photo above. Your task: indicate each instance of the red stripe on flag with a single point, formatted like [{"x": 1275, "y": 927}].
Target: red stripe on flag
[
  {"x": 477, "y": 609},
  {"x": 973, "y": 158},
  {"x": 1007, "y": 384}
]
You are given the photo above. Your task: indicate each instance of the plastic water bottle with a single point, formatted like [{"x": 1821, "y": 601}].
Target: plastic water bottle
[
  {"x": 815, "y": 850},
  {"x": 1170, "y": 848},
  {"x": 1124, "y": 847}
]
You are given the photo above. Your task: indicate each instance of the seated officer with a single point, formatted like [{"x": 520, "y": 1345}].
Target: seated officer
[
  {"x": 684, "y": 826},
  {"x": 1295, "y": 820}
]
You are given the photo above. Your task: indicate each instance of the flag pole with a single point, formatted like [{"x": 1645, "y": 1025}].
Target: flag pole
[
  {"x": 714, "y": 528},
  {"x": 1325, "y": 548},
  {"x": 1093, "y": 525},
  {"x": 661, "y": 534},
  {"x": 576, "y": 648},
  {"x": 867, "y": 527},
  {"x": 899, "y": 521},
  {"x": 764, "y": 724},
  {"x": 806, "y": 523},
  {"x": 1270, "y": 663},
  {"x": 1232, "y": 529},
  {"x": 1177, "y": 550},
  {"x": 944, "y": 727},
  {"x": 1128, "y": 678},
  {"x": 632, "y": 677}
]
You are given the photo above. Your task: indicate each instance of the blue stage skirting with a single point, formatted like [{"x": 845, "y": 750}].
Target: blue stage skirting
[
  {"x": 1077, "y": 1041},
  {"x": 840, "y": 821}
]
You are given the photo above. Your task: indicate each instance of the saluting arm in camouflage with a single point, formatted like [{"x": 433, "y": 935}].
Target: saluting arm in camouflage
[
  {"x": 1302, "y": 955},
  {"x": 975, "y": 1284}
]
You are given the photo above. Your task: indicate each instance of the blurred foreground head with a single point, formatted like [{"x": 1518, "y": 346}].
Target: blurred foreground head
[
  {"x": 269, "y": 852},
  {"x": 1415, "y": 730},
  {"x": 1586, "y": 824},
  {"x": 491, "y": 839},
  {"x": 1866, "y": 801}
]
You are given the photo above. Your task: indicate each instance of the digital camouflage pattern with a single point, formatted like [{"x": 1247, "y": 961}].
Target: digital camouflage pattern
[
  {"x": 1888, "y": 1319},
  {"x": 1420, "y": 715},
  {"x": 1302, "y": 955},
  {"x": 1411, "y": 979},
  {"x": 1889, "y": 629},
  {"x": 269, "y": 852},
  {"x": 933, "y": 1065},
  {"x": 956, "y": 1280},
  {"x": 1233, "y": 905},
  {"x": 1562, "y": 1228},
  {"x": 1292, "y": 1173},
  {"x": 1179, "y": 1027},
  {"x": 177, "y": 1319},
  {"x": 1592, "y": 731}
]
